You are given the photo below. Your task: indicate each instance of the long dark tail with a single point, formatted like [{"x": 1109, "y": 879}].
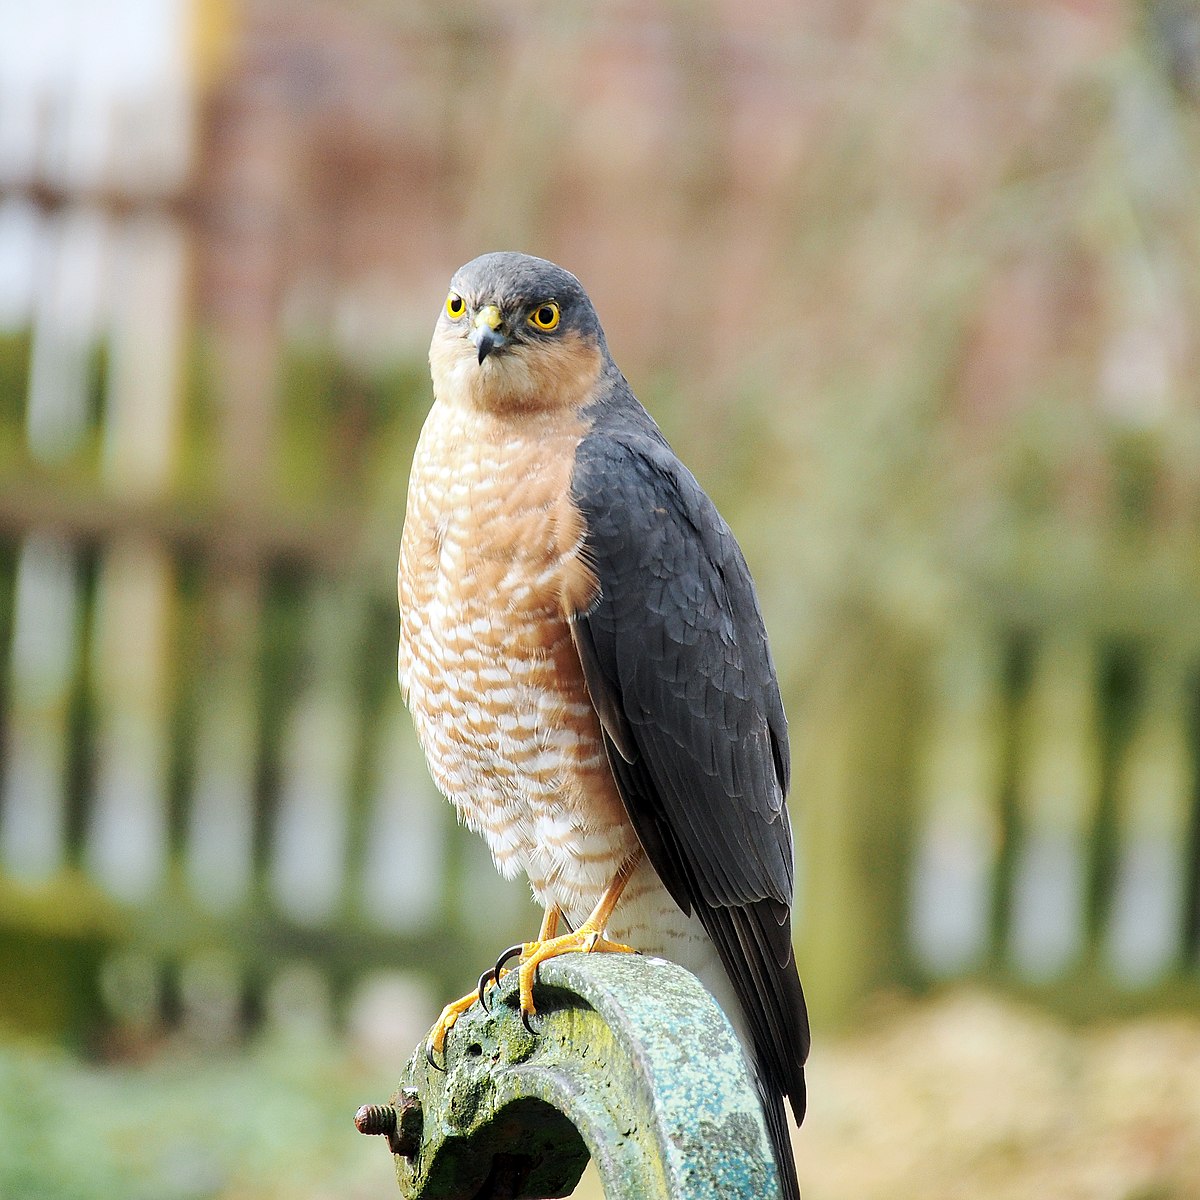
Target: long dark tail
[
  {"x": 755, "y": 945},
  {"x": 781, "y": 1139}
]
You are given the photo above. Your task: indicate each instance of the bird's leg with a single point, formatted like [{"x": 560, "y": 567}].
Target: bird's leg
[
  {"x": 587, "y": 939},
  {"x": 436, "y": 1041},
  {"x": 549, "y": 923}
]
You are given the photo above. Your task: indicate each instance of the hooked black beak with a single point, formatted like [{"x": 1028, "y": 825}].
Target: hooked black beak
[
  {"x": 489, "y": 340},
  {"x": 487, "y": 331}
]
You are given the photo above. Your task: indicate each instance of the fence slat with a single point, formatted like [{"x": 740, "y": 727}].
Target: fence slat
[
  {"x": 127, "y": 835},
  {"x": 1145, "y": 931},
  {"x": 70, "y": 313},
  {"x": 404, "y": 853},
  {"x": 219, "y": 856},
  {"x": 45, "y": 648},
  {"x": 22, "y": 234},
  {"x": 148, "y": 328},
  {"x": 955, "y": 856},
  {"x": 1057, "y": 797},
  {"x": 309, "y": 848}
]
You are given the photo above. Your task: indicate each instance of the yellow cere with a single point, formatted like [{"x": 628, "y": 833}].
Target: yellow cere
[
  {"x": 545, "y": 316},
  {"x": 455, "y": 305},
  {"x": 488, "y": 315}
]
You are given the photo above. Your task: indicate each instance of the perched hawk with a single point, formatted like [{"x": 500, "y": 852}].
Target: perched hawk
[{"x": 584, "y": 656}]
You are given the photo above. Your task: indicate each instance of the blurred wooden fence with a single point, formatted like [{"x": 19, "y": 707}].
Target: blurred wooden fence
[
  {"x": 209, "y": 789},
  {"x": 1016, "y": 800},
  {"x": 207, "y": 775},
  {"x": 1082, "y": 755}
]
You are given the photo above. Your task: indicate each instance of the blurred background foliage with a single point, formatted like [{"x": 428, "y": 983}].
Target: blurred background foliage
[{"x": 910, "y": 284}]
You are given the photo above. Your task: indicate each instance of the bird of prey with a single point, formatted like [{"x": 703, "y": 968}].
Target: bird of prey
[{"x": 584, "y": 656}]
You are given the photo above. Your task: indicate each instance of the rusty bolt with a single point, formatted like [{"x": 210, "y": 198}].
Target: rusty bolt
[
  {"x": 400, "y": 1123},
  {"x": 376, "y": 1118}
]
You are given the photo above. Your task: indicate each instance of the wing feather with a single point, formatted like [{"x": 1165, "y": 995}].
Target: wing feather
[{"x": 676, "y": 659}]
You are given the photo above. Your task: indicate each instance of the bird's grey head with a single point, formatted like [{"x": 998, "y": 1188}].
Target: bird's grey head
[{"x": 516, "y": 332}]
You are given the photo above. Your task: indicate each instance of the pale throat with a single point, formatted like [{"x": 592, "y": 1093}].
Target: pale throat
[{"x": 527, "y": 380}]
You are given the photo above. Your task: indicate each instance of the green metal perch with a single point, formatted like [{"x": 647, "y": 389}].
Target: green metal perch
[{"x": 633, "y": 1064}]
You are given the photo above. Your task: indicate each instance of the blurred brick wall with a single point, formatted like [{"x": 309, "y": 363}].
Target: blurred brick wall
[
  {"x": 985, "y": 211},
  {"x": 729, "y": 165}
]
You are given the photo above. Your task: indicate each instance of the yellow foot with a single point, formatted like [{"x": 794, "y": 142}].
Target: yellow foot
[
  {"x": 587, "y": 939},
  {"x": 435, "y": 1043}
]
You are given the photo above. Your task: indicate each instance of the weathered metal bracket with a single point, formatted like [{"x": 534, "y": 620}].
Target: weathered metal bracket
[{"x": 633, "y": 1064}]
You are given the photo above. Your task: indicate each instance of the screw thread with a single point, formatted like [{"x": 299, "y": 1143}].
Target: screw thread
[{"x": 375, "y": 1119}]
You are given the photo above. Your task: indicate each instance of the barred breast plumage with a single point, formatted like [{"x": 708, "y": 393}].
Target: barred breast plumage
[{"x": 490, "y": 551}]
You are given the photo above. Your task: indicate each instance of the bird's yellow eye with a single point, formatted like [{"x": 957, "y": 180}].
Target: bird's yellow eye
[
  {"x": 455, "y": 305},
  {"x": 545, "y": 316}
]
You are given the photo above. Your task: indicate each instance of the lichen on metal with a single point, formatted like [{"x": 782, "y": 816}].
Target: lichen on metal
[{"x": 633, "y": 1064}]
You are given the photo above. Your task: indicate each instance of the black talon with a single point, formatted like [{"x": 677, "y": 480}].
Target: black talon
[
  {"x": 510, "y": 953},
  {"x": 430, "y": 1059},
  {"x": 525, "y": 1022},
  {"x": 484, "y": 979}
]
